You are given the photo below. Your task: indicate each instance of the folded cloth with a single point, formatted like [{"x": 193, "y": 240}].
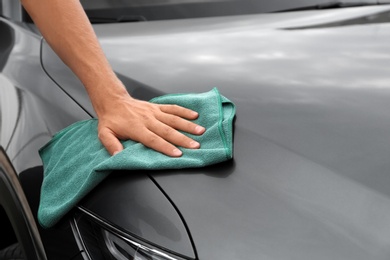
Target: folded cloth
[{"x": 75, "y": 161}]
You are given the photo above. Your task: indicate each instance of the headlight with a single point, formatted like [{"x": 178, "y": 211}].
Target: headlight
[
  {"x": 124, "y": 248},
  {"x": 99, "y": 240}
]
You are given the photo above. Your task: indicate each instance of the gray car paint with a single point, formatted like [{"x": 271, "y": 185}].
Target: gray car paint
[
  {"x": 310, "y": 175},
  {"x": 27, "y": 124}
]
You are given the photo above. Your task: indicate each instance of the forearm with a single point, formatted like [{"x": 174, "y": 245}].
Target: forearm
[
  {"x": 65, "y": 26},
  {"x": 68, "y": 31}
]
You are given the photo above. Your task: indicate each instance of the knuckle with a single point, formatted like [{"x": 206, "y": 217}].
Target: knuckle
[
  {"x": 167, "y": 131},
  {"x": 173, "y": 120},
  {"x": 151, "y": 140},
  {"x": 146, "y": 117}
]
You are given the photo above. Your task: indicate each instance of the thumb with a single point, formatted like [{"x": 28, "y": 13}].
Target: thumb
[{"x": 110, "y": 141}]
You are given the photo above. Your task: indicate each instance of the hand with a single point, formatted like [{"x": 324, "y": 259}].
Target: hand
[{"x": 155, "y": 126}]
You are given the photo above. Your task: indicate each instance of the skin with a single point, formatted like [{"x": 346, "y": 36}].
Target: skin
[{"x": 68, "y": 31}]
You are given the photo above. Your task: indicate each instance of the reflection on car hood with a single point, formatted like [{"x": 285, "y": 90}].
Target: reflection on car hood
[{"x": 310, "y": 175}]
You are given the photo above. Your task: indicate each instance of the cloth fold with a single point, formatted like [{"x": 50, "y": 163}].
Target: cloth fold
[{"x": 75, "y": 161}]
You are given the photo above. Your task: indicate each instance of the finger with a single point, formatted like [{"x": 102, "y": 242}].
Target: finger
[
  {"x": 181, "y": 124},
  {"x": 173, "y": 136},
  {"x": 110, "y": 141},
  {"x": 179, "y": 111},
  {"x": 155, "y": 142}
]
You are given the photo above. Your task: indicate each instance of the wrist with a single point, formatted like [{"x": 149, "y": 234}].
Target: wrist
[{"x": 105, "y": 94}]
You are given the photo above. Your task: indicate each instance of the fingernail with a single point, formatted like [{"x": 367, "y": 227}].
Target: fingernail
[
  {"x": 176, "y": 152},
  {"x": 115, "y": 153},
  {"x": 199, "y": 129},
  {"x": 194, "y": 144}
]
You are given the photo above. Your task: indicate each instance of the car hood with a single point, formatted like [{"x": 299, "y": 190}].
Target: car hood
[{"x": 309, "y": 178}]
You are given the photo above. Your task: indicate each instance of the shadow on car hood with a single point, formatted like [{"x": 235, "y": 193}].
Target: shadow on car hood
[{"x": 309, "y": 179}]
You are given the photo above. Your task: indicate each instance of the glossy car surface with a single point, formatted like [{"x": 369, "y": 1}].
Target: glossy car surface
[{"x": 309, "y": 179}]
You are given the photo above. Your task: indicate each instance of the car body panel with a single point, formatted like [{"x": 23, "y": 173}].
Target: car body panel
[
  {"x": 32, "y": 109},
  {"x": 309, "y": 179},
  {"x": 310, "y": 173},
  {"x": 26, "y": 91}
]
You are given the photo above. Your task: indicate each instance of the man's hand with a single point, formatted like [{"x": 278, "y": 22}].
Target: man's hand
[{"x": 155, "y": 126}]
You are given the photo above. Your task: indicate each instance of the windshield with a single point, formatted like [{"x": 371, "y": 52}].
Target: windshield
[{"x": 147, "y": 10}]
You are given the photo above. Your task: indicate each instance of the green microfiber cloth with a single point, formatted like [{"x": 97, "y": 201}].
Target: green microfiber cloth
[{"x": 75, "y": 161}]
